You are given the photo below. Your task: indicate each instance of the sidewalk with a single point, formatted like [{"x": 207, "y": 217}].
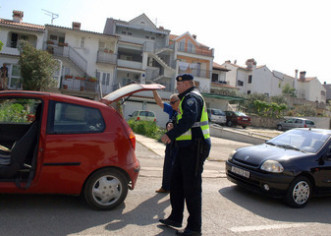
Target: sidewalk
[{"x": 220, "y": 149}]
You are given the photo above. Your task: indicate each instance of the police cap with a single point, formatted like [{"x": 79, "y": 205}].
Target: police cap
[{"x": 184, "y": 77}]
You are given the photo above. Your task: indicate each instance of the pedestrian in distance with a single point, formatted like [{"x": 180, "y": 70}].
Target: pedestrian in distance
[
  {"x": 192, "y": 140},
  {"x": 171, "y": 110}
]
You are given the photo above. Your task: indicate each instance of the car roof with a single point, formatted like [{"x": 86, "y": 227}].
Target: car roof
[
  {"x": 325, "y": 131},
  {"x": 55, "y": 96}
]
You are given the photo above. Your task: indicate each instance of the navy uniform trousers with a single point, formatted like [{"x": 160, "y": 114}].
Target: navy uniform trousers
[{"x": 186, "y": 183}]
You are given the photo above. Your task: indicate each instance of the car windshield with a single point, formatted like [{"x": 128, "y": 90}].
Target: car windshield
[
  {"x": 238, "y": 113},
  {"x": 301, "y": 140},
  {"x": 218, "y": 112}
]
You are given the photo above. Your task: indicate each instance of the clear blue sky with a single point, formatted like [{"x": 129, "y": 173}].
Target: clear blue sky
[{"x": 283, "y": 34}]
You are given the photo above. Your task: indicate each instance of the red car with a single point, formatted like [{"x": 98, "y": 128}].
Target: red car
[
  {"x": 58, "y": 144},
  {"x": 237, "y": 118}
]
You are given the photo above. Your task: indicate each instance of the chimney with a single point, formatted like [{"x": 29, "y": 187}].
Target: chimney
[
  {"x": 228, "y": 61},
  {"x": 161, "y": 27},
  {"x": 235, "y": 62},
  {"x": 296, "y": 74},
  {"x": 194, "y": 36},
  {"x": 251, "y": 64},
  {"x": 75, "y": 25},
  {"x": 302, "y": 75},
  {"x": 17, "y": 16}
]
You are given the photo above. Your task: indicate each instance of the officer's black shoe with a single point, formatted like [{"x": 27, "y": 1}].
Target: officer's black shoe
[
  {"x": 188, "y": 232},
  {"x": 170, "y": 223}
]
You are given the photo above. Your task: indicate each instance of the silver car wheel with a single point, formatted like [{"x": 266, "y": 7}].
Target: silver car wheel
[
  {"x": 301, "y": 192},
  {"x": 107, "y": 190}
]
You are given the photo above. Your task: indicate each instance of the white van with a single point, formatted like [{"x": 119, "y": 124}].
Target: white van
[{"x": 216, "y": 115}]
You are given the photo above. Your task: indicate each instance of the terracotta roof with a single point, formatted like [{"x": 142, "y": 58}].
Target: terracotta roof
[
  {"x": 21, "y": 25},
  {"x": 219, "y": 67}
]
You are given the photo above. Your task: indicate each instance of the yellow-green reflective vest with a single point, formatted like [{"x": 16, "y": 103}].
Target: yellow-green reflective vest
[{"x": 203, "y": 124}]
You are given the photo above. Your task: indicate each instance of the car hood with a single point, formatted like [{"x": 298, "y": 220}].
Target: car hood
[
  {"x": 256, "y": 155},
  {"x": 129, "y": 90}
]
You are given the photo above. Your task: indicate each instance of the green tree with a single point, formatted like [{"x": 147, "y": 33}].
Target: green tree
[
  {"x": 1, "y": 45},
  {"x": 37, "y": 68},
  {"x": 288, "y": 90}
]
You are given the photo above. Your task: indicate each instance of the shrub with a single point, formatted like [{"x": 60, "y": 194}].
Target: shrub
[{"x": 146, "y": 128}]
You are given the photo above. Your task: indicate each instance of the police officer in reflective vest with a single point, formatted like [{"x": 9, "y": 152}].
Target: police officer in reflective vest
[{"x": 193, "y": 142}]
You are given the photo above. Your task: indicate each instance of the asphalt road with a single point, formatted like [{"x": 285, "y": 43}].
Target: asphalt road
[{"x": 227, "y": 210}]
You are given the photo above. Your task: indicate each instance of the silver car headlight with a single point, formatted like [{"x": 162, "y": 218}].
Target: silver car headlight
[
  {"x": 272, "y": 166},
  {"x": 231, "y": 155}
]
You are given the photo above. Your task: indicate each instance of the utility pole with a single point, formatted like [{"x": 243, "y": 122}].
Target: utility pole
[{"x": 51, "y": 14}]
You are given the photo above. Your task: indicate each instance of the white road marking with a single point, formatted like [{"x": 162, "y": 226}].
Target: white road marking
[{"x": 266, "y": 227}]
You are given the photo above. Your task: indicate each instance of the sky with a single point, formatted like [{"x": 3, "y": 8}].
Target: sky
[{"x": 284, "y": 35}]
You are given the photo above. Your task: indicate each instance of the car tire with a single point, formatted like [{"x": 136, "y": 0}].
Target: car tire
[
  {"x": 244, "y": 127},
  {"x": 229, "y": 123},
  {"x": 106, "y": 189},
  {"x": 299, "y": 192},
  {"x": 279, "y": 127}
]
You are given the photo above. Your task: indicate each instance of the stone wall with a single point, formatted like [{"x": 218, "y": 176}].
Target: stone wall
[{"x": 271, "y": 123}]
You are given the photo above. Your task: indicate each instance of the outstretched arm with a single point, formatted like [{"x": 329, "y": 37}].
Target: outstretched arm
[{"x": 158, "y": 99}]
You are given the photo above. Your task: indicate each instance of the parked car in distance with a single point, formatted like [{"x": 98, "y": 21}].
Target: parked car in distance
[
  {"x": 294, "y": 166},
  {"x": 237, "y": 118},
  {"x": 216, "y": 115},
  {"x": 292, "y": 123},
  {"x": 52, "y": 143},
  {"x": 143, "y": 116}
]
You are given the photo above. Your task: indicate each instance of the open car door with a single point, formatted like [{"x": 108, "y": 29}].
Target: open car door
[{"x": 129, "y": 90}]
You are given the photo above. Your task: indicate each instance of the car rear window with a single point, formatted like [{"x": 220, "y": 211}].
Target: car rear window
[
  {"x": 309, "y": 122},
  {"x": 66, "y": 118}
]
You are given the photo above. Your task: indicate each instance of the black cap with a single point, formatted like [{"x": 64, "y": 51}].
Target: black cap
[{"x": 184, "y": 77}]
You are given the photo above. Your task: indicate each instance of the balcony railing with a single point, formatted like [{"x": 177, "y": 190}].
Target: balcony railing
[
  {"x": 82, "y": 84},
  {"x": 196, "y": 72},
  {"x": 106, "y": 57},
  {"x": 69, "y": 52},
  {"x": 199, "y": 51}
]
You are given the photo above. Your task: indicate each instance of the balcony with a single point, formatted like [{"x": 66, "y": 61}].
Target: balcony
[
  {"x": 199, "y": 51},
  {"x": 106, "y": 57},
  {"x": 196, "y": 72},
  {"x": 82, "y": 84}
]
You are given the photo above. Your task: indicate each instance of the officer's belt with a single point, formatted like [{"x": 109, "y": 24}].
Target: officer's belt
[{"x": 199, "y": 124}]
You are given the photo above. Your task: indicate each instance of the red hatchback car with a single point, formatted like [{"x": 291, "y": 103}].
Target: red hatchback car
[
  {"x": 237, "y": 118},
  {"x": 57, "y": 144}
]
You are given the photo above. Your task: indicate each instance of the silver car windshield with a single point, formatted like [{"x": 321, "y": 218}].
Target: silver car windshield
[{"x": 301, "y": 140}]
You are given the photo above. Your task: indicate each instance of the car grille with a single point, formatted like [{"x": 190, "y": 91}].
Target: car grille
[{"x": 245, "y": 164}]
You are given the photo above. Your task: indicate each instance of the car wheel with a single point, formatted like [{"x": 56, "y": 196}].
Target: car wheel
[
  {"x": 229, "y": 123},
  {"x": 279, "y": 127},
  {"x": 299, "y": 192},
  {"x": 105, "y": 189},
  {"x": 244, "y": 127}
]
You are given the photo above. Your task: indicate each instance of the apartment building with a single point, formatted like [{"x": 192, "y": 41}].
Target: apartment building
[
  {"x": 87, "y": 59},
  {"x": 11, "y": 31},
  {"x": 194, "y": 58}
]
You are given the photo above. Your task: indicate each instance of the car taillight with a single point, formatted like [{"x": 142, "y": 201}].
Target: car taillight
[
  {"x": 138, "y": 118},
  {"x": 154, "y": 119},
  {"x": 132, "y": 138},
  {"x": 305, "y": 126}
]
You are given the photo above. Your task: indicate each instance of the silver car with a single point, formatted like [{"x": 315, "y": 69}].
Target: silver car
[
  {"x": 216, "y": 115},
  {"x": 295, "y": 123}
]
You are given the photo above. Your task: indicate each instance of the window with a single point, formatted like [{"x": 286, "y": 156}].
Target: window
[
  {"x": 240, "y": 83},
  {"x": 18, "y": 110},
  {"x": 182, "y": 46},
  {"x": 190, "y": 47},
  {"x": 214, "y": 78},
  {"x": 53, "y": 37},
  {"x": 250, "y": 78},
  {"x": 65, "y": 118},
  {"x": 15, "y": 77},
  {"x": 82, "y": 42},
  {"x": 249, "y": 92}
]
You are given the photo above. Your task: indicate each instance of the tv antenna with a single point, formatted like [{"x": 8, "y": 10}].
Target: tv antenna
[{"x": 51, "y": 14}]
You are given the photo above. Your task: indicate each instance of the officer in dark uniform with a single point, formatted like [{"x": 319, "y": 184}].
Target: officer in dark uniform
[{"x": 192, "y": 139}]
